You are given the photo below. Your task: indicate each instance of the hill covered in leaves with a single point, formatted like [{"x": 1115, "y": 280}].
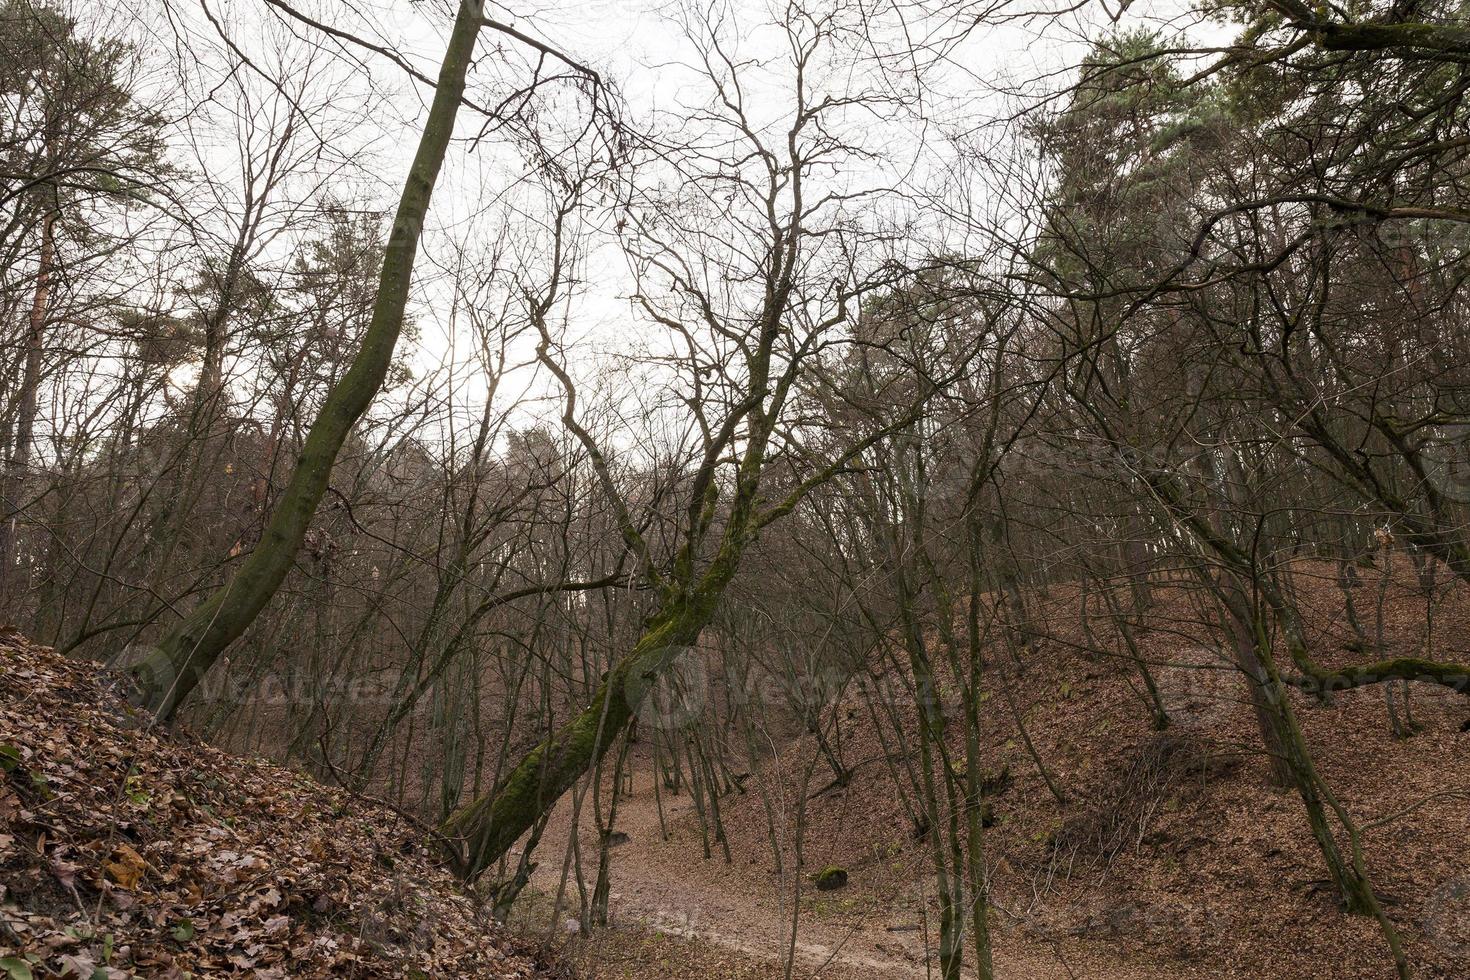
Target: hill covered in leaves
[{"x": 129, "y": 852}]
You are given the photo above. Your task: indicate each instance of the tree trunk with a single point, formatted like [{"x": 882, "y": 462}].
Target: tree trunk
[
  {"x": 25, "y": 428},
  {"x": 494, "y": 822},
  {"x": 172, "y": 671}
]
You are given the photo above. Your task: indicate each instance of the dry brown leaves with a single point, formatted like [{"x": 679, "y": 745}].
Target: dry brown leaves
[{"x": 127, "y": 853}]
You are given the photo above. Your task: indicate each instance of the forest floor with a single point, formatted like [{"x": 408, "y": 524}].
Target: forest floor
[
  {"x": 676, "y": 915},
  {"x": 1172, "y": 857},
  {"x": 125, "y": 852}
]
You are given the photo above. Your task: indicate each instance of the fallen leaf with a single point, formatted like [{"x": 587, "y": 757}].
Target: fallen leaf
[
  {"x": 125, "y": 867},
  {"x": 16, "y": 968}
]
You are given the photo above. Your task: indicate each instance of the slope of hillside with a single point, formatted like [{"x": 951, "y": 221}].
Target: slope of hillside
[
  {"x": 1172, "y": 856},
  {"x": 127, "y": 853}
]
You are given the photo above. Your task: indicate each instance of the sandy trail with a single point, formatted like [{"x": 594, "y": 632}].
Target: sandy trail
[{"x": 667, "y": 886}]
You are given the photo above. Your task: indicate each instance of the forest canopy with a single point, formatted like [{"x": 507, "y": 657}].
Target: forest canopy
[{"x": 491, "y": 411}]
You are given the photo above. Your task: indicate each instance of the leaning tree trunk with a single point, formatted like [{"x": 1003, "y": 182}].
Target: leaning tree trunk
[
  {"x": 489, "y": 825},
  {"x": 167, "y": 676}
]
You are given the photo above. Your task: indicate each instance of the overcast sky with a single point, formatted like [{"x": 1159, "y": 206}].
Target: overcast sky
[{"x": 364, "y": 114}]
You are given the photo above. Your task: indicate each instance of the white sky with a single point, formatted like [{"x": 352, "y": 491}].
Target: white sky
[{"x": 370, "y": 114}]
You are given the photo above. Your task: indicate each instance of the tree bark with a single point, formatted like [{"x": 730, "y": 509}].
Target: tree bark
[
  {"x": 495, "y": 821},
  {"x": 167, "y": 676},
  {"x": 30, "y": 390}
]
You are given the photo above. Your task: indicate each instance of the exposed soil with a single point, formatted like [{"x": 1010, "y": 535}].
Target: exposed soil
[
  {"x": 1173, "y": 856},
  {"x": 665, "y": 887}
]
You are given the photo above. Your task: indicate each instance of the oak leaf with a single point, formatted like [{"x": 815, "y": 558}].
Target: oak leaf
[{"x": 125, "y": 867}]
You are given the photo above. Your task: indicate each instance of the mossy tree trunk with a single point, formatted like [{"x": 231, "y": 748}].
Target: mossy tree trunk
[
  {"x": 489, "y": 825},
  {"x": 1284, "y": 738},
  {"x": 689, "y": 592},
  {"x": 736, "y": 419},
  {"x": 173, "y": 669},
  {"x": 974, "y": 781}
]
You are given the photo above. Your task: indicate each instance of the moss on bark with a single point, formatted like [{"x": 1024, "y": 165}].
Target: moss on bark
[
  {"x": 167, "y": 677},
  {"x": 488, "y": 826}
]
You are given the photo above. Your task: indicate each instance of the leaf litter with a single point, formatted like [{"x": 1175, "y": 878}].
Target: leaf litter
[{"x": 131, "y": 852}]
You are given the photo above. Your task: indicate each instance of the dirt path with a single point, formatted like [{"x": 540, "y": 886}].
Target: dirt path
[{"x": 667, "y": 886}]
